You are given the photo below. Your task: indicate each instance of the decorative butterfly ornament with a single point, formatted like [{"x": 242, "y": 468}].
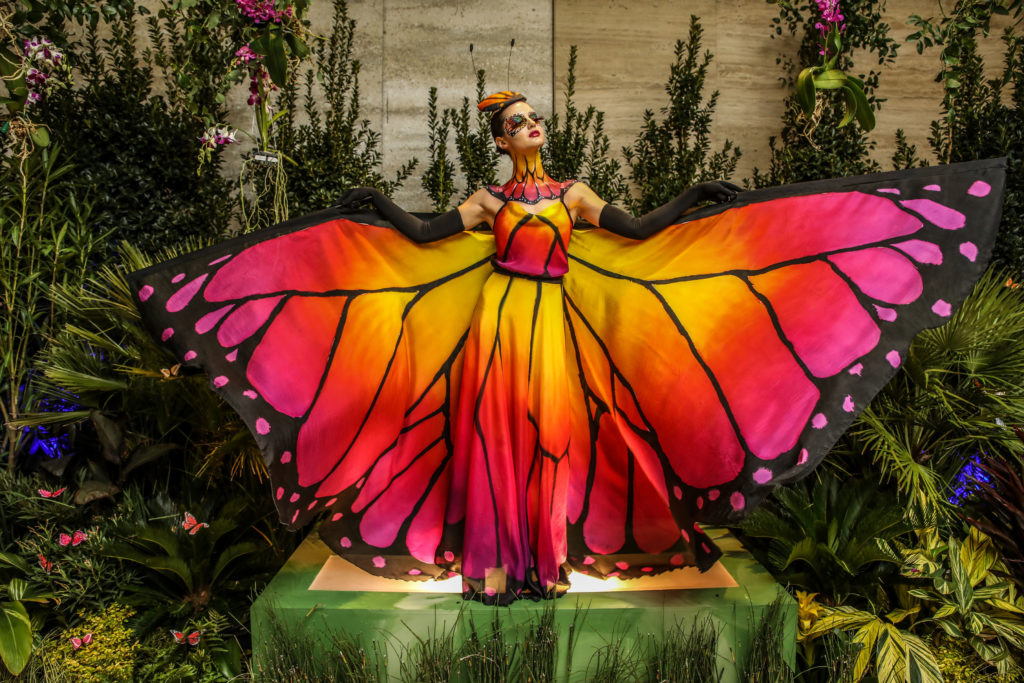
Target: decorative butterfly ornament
[
  {"x": 52, "y": 494},
  {"x": 76, "y": 539},
  {"x": 79, "y": 643},
  {"x": 180, "y": 638},
  {"x": 191, "y": 524}
]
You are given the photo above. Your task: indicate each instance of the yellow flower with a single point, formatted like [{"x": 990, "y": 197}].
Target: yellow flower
[{"x": 807, "y": 610}]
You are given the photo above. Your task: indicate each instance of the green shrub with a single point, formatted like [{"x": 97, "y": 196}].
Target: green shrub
[
  {"x": 109, "y": 658},
  {"x": 674, "y": 153},
  {"x": 134, "y": 155}
]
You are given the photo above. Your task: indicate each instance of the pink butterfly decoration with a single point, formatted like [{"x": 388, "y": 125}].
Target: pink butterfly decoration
[
  {"x": 81, "y": 642},
  {"x": 76, "y": 539},
  {"x": 191, "y": 638},
  {"x": 191, "y": 525},
  {"x": 52, "y": 494}
]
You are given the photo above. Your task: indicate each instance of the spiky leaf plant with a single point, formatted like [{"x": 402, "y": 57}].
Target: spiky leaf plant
[{"x": 962, "y": 385}]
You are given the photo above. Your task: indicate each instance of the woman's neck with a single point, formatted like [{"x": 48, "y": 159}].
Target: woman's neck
[{"x": 529, "y": 184}]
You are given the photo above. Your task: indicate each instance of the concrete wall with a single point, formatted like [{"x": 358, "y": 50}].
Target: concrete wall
[{"x": 625, "y": 51}]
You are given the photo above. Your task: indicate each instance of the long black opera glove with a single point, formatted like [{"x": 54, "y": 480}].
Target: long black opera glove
[
  {"x": 416, "y": 229},
  {"x": 614, "y": 219}
]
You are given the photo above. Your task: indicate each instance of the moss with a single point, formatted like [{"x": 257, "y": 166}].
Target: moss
[{"x": 960, "y": 664}]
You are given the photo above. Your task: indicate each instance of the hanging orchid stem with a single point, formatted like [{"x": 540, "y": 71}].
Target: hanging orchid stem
[{"x": 827, "y": 77}]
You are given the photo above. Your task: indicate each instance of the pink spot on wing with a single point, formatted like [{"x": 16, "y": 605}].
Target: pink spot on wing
[
  {"x": 622, "y": 565},
  {"x": 696, "y": 527},
  {"x": 676, "y": 559},
  {"x": 803, "y": 456},
  {"x": 979, "y": 188},
  {"x": 490, "y": 590},
  {"x": 737, "y": 501},
  {"x": 449, "y": 556},
  {"x": 705, "y": 548},
  {"x": 856, "y": 369},
  {"x": 612, "y": 575},
  {"x": 311, "y": 506},
  {"x": 178, "y": 278},
  {"x": 295, "y": 516},
  {"x": 210, "y": 320},
  {"x": 345, "y": 542},
  {"x": 677, "y": 492},
  {"x": 713, "y": 494},
  {"x": 894, "y": 358},
  {"x": 588, "y": 560},
  {"x": 700, "y": 503},
  {"x": 942, "y": 308},
  {"x": 280, "y": 492},
  {"x": 145, "y": 292},
  {"x": 921, "y": 251},
  {"x": 331, "y": 502},
  {"x": 336, "y": 516},
  {"x": 887, "y": 314},
  {"x": 848, "y": 404},
  {"x": 414, "y": 572},
  {"x": 262, "y": 426},
  {"x": 762, "y": 475},
  {"x": 932, "y": 188},
  {"x": 246, "y": 320},
  {"x": 249, "y": 393},
  {"x": 939, "y": 214},
  {"x": 378, "y": 561},
  {"x": 685, "y": 534},
  {"x": 222, "y": 258},
  {"x": 189, "y": 355},
  {"x": 286, "y": 457},
  {"x": 888, "y": 190},
  {"x": 220, "y": 380},
  {"x": 184, "y": 295},
  {"x": 294, "y": 497},
  {"x": 167, "y": 334},
  {"x": 647, "y": 569},
  {"x": 232, "y": 357},
  {"x": 819, "y": 421},
  {"x": 969, "y": 250}
]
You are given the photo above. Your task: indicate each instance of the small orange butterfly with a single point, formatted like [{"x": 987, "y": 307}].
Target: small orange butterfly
[
  {"x": 191, "y": 525},
  {"x": 46, "y": 564}
]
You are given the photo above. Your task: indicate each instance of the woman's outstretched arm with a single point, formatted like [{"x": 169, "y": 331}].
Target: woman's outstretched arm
[
  {"x": 470, "y": 213},
  {"x": 595, "y": 210}
]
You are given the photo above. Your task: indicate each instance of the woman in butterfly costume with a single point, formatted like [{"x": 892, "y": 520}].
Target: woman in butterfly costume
[{"x": 513, "y": 403}]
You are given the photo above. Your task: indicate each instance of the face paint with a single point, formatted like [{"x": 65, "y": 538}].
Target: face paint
[{"x": 516, "y": 122}]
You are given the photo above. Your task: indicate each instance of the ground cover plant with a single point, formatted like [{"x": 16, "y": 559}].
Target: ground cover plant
[{"x": 136, "y": 525}]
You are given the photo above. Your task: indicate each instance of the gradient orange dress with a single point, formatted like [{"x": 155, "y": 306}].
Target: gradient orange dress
[{"x": 513, "y": 404}]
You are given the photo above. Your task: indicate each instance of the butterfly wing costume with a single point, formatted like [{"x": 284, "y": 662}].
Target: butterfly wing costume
[{"x": 511, "y": 404}]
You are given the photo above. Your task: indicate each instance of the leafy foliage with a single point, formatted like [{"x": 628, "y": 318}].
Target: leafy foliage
[
  {"x": 966, "y": 597},
  {"x": 674, "y": 153},
  {"x": 959, "y": 384},
  {"x": 831, "y": 536},
  {"x": 826, "y": 150},
  {"x": 127, "y": 143},
  {"x": 439, "y": 177},
  {"x": 335, "y": 150},
  {"x": 997, "y": 508},
  {"x": 577, "y": 146},
  {"x": 110, "y": 657},
  {"x": 478, "y": 158}
]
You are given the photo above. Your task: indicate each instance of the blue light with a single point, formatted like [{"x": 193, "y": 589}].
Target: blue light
[{"x": 967, "y": 479}]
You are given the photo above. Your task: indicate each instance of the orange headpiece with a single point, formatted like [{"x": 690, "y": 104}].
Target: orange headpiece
[{"x": 494, "y": 103}]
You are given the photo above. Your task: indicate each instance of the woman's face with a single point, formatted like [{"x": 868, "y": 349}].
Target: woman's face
[{"x": 523, "y": 129}]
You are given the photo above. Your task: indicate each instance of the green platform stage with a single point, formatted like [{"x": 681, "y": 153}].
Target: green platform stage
[{"x": 317, "y": 594}]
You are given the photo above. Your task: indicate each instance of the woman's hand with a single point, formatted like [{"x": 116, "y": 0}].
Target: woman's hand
[
  {"x": 356, "y": 196},
  {"x": 717, "y": 191}
]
